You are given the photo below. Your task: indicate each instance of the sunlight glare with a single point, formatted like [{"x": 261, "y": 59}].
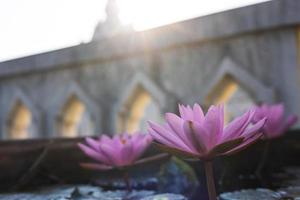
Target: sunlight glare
[{"x": 144, "y": 14}]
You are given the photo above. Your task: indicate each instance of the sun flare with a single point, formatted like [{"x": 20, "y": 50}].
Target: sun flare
[
  {"x": 144, "y": 14},
  {"x": 147, "y": 14}
]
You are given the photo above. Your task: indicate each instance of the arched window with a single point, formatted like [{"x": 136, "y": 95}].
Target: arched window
[
  {"x": 74, "y": 120},
  {"x": 235, "y": 98},
  {"x": 19, "y": 124},
  {"x": 137, "y": 110}
]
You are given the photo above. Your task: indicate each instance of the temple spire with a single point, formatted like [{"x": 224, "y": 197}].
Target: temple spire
[
  {"x": 112, "y": 11},
  {"x": 112, "y": 24}
]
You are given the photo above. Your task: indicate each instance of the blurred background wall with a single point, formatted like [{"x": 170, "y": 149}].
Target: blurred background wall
[{"x": 123, "y": 78}]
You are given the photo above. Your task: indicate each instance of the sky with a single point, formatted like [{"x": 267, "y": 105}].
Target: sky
[{"x": 33, "y": 26}]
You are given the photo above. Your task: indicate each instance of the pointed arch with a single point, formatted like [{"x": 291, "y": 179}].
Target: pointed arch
[
  {"x": 74, "y": 114},
  {"x": 237, "y": 89},
  {"x": 229, "y": 68},
  {"x": 141, "y": 101},
  {"x": 19, "y": 121},
  {"x": 21, "y": 118}
]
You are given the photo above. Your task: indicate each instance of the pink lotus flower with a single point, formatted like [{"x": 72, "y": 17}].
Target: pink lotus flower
[
  {"x": 196, "y": 135},
  {"x": 276, "y": 125},
  {"x": 119, "y": 151}
]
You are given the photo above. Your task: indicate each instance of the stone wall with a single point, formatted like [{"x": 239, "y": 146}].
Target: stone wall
[{"x": 183, "y": 62}]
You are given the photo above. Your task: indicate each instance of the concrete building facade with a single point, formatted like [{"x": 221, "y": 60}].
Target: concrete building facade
[{"x": 115, "y": 83}]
